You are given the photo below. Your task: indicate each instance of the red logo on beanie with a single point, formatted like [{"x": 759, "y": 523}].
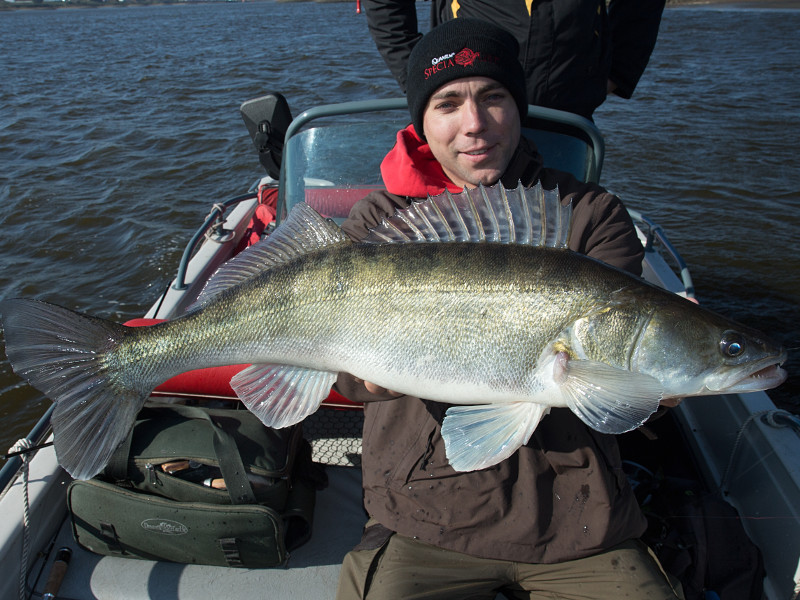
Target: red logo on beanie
[{"x": 466, "y": 57}]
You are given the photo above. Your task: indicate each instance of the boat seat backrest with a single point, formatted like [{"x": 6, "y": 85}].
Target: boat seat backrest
[
  {"x": 331, "y": 165},
  {"x": 562, "y": 151},
  {"x": 333, "y": 202}
]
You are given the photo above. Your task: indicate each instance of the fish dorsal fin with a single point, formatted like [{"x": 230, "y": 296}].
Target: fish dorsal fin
[
  {"x": 532, "y": 216},
  {"x": 303, "y": 231}
]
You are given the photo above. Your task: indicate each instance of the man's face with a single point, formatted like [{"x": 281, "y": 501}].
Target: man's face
[{"x": 472, "y": 126}]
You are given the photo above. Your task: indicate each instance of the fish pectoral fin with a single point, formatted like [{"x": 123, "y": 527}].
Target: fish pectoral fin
[
  {"x": 608, "y": 399},
  {"x": 476, "y": 437},
  {"x": 282, "y": 395}
]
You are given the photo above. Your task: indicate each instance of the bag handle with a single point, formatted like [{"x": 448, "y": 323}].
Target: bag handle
[
  {"x": 225, "y": 449},
  {"x": 231, "y": 466},
  {"x": 228, "y": 456}
]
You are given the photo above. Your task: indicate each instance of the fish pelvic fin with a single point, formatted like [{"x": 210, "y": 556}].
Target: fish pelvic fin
[
  {"x": 303, "y": 231},
  {"x": 477, "y": 437},
  {"x": 64, "y": 355},
  {"x": 608, "y": 399},
  {"x": 532, "y": 216},
  {"x": 282, "y": 395}
]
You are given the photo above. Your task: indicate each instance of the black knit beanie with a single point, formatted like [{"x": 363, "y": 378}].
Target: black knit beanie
[{"x": 463, "y": 48}]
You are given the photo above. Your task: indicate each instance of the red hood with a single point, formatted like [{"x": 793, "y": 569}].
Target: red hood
[{"x": 410, "y": 169}]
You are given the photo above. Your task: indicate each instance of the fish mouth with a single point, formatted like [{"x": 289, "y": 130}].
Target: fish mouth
[{"x": 762, "y": 375}]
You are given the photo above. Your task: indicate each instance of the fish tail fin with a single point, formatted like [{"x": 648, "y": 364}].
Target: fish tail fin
[{"x": 65, "y": 355}]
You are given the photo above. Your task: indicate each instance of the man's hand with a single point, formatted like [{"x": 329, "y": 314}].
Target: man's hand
[
  {"x": 670, "y": 402},
  {"x": 376, "y": 389}
]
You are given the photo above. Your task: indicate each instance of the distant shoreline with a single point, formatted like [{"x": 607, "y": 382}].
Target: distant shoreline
[
  {"x": 26, "y": 5},
  {"x": 738, "y": 3}
]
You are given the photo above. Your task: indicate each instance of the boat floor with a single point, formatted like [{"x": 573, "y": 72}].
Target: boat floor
[{"x": 312, "y": 571}]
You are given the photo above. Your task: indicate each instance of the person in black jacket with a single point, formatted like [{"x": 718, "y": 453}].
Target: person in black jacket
[{"x": 573, "y": 52}]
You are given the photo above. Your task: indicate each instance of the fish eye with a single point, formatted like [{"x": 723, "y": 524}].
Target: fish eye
[{"x": 732, "y": 344}]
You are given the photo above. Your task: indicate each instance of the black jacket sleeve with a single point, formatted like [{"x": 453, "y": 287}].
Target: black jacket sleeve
[
  {"x": 634, "y": 29},
  {"x": 393, "y": 25}
]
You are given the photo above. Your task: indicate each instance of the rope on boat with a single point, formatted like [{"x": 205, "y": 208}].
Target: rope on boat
[
  {"x": 15, "y": 451},
  {"x": 218, "y": 212},
  {"x": 773, "y": 418},
  {"x": 21, "y": 448}
]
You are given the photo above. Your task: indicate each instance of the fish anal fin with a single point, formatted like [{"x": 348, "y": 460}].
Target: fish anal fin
[
  {"x": 282, "y": 395},
  {"x": 477, "y": 437}
]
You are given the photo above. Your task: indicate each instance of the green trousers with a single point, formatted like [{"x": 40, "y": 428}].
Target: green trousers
[{"x": 401, "y": 568}]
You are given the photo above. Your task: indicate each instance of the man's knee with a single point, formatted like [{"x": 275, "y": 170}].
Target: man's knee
[{"x": 407, "y": 568}]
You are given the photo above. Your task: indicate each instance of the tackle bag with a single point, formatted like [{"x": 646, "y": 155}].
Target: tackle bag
[{"x": 200, "y": 485}]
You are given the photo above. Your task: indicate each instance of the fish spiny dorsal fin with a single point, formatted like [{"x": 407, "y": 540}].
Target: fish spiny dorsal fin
[
  {"x": 531, "y": 216},
  {"x": 303, "y": 231}
]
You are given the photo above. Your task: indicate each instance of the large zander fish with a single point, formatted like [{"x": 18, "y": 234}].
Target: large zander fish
[{"x": 490, "y": 312}]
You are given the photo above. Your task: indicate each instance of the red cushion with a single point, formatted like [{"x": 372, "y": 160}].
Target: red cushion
[{"x": 264, "y": 215}]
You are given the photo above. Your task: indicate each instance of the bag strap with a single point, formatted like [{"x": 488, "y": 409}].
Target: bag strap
[
  {"x": 231, "y": 466},
  {"x": 230, "y": 550},
  {"x": 225, "y": 448},
  {"x": 228, "y": 456},
  {"x": 298, "y": 514},
  {"x": 117, "y": 467}
]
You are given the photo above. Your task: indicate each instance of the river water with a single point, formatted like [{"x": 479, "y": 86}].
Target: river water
[{"x": 119, "y": 128}]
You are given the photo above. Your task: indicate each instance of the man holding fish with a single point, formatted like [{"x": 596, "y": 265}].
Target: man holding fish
[
  {"x": 557, "y": 519},
  {"x": 515, "y": 330}
]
